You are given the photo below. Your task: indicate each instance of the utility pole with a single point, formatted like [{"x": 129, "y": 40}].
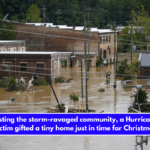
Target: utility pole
[
  {"x": 89, "y": 48},
  {"x": 58, "y": 13},
  {"x": 89, "y": 9},
  {"x": 81, "y": 80},
  {"x": 131, "y": 41},
  {"x": 44, "y": 13},
  {"x": 86, "y": 91},
  {"x": 115, "y": 55}
]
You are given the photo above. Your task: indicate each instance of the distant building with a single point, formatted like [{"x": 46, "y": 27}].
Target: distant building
[
  {"x": 144, "y": 66},
  {"x": 12, "y": 45},
  {"x": 61, "y": 38},
  {"x": 25, "y": 64}
]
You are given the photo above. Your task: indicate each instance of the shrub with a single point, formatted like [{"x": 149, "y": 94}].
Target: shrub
[
  {"x": 12, "y": 82},
  {"x": 2, "y": 84},
  {"x": 122, "y": 67},
  {"x": 101, "y": 90},
  {"x": 74, "y": 97},
  {"x": 62, "y": 105},
  {"x": 60, "y": 79},
  {"x": 69, "y": 80},
  {"x": 39, "y": 81},
  {"x": 99, "y": 62},
  {"x": 141, "y": 96}
]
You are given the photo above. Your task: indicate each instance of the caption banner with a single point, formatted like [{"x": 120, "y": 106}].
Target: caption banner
[{"x": 74, "y": 124}]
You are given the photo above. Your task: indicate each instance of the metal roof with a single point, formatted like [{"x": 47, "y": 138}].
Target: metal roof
[
  {"x": 28, "y": 52},
  {"x": 10, "y": 42},
  {"x": 144, "y": 59}
]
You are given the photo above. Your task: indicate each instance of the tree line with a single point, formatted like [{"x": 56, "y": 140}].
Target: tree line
[{"x": 71, "y": 12}]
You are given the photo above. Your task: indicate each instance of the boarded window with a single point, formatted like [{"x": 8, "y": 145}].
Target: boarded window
[{"x": 39, "y": 67}]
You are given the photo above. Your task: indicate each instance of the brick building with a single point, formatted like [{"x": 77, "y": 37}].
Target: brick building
[
  {"x": 25, "y": 64},
  {"x": 144, "y": 66},
  {"x": 47, "y": 37}
]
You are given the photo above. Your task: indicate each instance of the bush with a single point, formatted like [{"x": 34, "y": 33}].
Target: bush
[
  {"x": 141, "y": 96},
  {"x": 129, "y": 74},
  {"x": 74, "y": 97},
  {"x": 39, "y": 81},
  {"x": 12, "y": 82},
  {"x": 99, "y": 62},
  {"x": 101, "y": 90},
  {"x": 2, "y": 84},
  {"x": 12, "y": 85},
  {"x": 60, "y": 79},
  {"x": 122, "y": 67}
]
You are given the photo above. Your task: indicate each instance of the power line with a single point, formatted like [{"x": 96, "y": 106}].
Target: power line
[{"x": 63, "y": 30}]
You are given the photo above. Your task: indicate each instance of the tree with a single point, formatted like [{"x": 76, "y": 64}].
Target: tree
[
  {"x": 7, "y": 35},
  {"x": 33, "y": 14},
  {"x": 125, "y": 40}
]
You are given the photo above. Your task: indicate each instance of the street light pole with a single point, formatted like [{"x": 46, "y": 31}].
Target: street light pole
[{"x": 86, "y": 91}]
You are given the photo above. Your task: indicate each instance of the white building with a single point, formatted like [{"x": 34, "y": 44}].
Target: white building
[{"x": 12, "y": 45}]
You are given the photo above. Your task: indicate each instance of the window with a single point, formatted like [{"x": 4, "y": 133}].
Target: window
[
  {"x": 106, "y": 38},
  {"x": 39, "y": 67},
  {"x": 79, "y": 62},
  {"x": 109, "y": 50},
  {"x": 7, "y": 66},
  {"x": 23, "y": 67},
  {"x": 109, "y": 38},
  {"x": 100, "y": 39},
  {"x": 103, "y": 39}
]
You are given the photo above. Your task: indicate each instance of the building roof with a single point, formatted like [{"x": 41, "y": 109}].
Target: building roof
[
  {"x": 144, "y": 59},
  {"x": 76, "y": 28},
  {"x": 8, "y": 42},
  {"x": 28, "y": 52}
]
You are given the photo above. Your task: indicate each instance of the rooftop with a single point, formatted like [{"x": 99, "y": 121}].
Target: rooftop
[
  {"x": 144, "y": 59},
  {"x": 28, "y": 52},
  {"x": 4, "y": 42}
]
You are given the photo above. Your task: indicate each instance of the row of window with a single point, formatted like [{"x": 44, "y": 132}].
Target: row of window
[
  {"x": 24, "y": 67},
  {"x": 105, "y": 39},
  {"x": 19, "y": 49}
]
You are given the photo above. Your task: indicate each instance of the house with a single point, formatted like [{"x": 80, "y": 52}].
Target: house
[
  {"x": 12, "y": 45},
  {"x": 144, "y": 66},
  {"x": 25, "y": 64}
]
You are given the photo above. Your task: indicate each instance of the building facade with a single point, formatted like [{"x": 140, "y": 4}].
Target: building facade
[
  {"x": 12, "y": 45},
  {"x": 25, "y": 64},
  {"x": 143, "y": 71}
]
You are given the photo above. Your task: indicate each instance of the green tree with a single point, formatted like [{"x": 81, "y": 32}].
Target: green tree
[
  {"x": 7, "y": 35},
  {"x": 33, "y": 14},
  {"x": 125, "y": 39}
]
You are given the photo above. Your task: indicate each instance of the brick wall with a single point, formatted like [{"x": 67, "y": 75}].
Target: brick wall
[
  {"x": 30, "y": 60},
  {"x": 54, "y": 41}
]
